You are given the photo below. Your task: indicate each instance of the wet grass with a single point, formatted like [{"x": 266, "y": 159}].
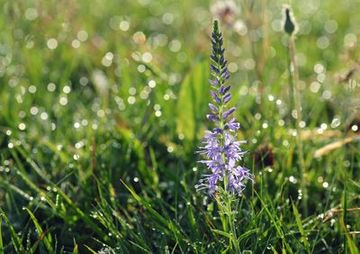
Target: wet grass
[{"x": 102, "y": 107}]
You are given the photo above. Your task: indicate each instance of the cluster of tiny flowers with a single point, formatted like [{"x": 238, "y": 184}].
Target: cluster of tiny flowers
[{"x": 220, "y": 147}]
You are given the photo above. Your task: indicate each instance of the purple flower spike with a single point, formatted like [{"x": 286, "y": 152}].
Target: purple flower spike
[{"x": 220, "y": 147}]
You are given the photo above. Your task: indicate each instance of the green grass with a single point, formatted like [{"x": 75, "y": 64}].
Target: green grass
[{"x": 98, "y": 150}]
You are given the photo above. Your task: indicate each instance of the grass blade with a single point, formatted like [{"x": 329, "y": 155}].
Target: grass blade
[{"x": 43, "y": 236}]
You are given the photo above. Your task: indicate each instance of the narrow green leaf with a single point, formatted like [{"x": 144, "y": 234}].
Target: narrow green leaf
[
  {"x": 1, "y": 240},
  {"x": 223, "y": 233},
  {"x": 76, "y": 249},
  {"x": 348, "y": 240},
  {"x": 91, "y": 250},
  {"x": 43, "y": 236},
  {"x": 166, "y": 222},
  {"x": 193, "y": 99},
  {"x": 301, "y": 228},
  {"x": 15, "y": 240}
]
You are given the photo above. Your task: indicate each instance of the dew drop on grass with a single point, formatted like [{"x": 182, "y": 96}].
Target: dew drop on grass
[
  {"x": 323, "y": 126},
  {"x": 82, "y": 35},
  {"x": 32, "y": 89},
  {"x": 285, "y": 143},
  {"x": 67, "y": 89},
  {"x": 44, "y": 116},
  {"x": 51, "y": 87},
  {"x": 141, "y": 68},
  {"x": 170, "y": 149},
  {"x": 332, "y": 222},
  {"x": 52, "y": 43},
  {"x": 75, "y": 44},
  {"x": 131, "y": 100},
  {"x": 292, "y": 179},
  {"x": 34, "y": 110},
  {"x": 158, "y": 113},
  {"x": 22, "y": 126},
  {"x": 31, "y": 14},
  {"x": 299, "y": 194}
]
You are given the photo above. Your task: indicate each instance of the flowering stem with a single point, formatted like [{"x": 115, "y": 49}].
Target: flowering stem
[
  {"x": 227, "y": 209},
  {"x": 221, "y": 148}
]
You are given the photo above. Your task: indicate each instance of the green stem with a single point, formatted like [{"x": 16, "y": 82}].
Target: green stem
[{"x": 294, "y": 73}]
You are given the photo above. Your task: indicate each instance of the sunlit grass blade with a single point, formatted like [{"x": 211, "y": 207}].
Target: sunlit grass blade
[
  {"x": 301, "y": 228},
  {"x": 15, "y": 239},
  {"x": 1, "y": 238},
  {"x": 76, "y": 249},
  {"x": 166, "y": 223},
  {"x": 43, "y": 236},
  {"x": 277, "y": 224},
  {"x": 349, "y": 244}
]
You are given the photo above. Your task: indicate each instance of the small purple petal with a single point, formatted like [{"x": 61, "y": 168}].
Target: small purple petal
[
  {"x": 214, "y": 69},
  {"x": 215, "y": 97},
  {"x": 213, "y": 107},
  {"x": 224, "y": 89},
  {"x": 225, "y": 75},
  {"x": 227, "y": 98},
  {"x": 214, "y": 82},
  {"x": 212, "y": 117},
  {"x": 228, "y": 112},
  {"x": 232, "y": 125},
  {"x": 214, "y": 58}
]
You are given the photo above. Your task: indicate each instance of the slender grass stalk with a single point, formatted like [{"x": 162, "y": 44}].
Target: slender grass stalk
[{"x": 290, "y": 29}]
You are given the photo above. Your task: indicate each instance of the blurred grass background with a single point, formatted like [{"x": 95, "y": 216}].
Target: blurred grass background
[{"x": 94, "y": 92}]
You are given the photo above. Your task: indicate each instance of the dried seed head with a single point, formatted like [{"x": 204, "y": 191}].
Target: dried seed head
[
  {"x": 226, "y": 11},
  {"x": 264, "y": 156},
  {"x": 290, "y": 26}
]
